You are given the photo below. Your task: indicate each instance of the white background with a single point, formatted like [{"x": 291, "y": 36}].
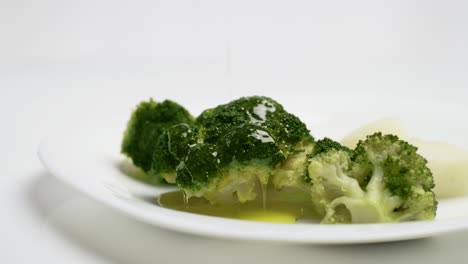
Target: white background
[{"x": 65, "y": 62}]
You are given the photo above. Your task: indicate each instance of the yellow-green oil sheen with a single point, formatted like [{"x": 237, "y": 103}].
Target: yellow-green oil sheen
[{"x": 285, "y": 206}]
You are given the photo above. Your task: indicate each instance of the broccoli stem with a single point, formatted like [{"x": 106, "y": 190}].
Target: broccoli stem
[
  {"x": 349, "y": 186},
  {"x": 374, "y": 205}
]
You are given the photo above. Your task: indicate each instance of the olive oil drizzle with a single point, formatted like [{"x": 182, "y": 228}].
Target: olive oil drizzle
[
  {"x": 186, "y": 199},
  {"x": 264, "y": 195},
  {"x": 275, "y": 207}
]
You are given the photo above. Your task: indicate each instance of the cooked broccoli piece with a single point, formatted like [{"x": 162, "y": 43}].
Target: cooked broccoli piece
[
  {"x": 382, "y": 180},
  {"x": 235, "y": 165},
  {"x": 245, "y": 141},
  {"x": 148, "y": 121},
  {"x": 321, "y": 146},
  {"x": 171, "y": 148},
  {"x": 293, "y": 172}
]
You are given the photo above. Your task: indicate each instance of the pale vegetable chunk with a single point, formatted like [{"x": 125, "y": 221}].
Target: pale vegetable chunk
[
  {"x": 449, "y": 166},
  {"x": 388, "y": 125}
]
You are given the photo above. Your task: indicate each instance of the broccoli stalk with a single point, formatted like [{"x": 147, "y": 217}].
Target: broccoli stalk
[{"x": 333, "y": 188}]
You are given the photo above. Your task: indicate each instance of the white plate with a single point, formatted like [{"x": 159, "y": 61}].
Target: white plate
[{"x": 89, "y": 161}]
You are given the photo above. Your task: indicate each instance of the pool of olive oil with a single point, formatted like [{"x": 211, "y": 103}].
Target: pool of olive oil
[{"x": 285, "y": 206}]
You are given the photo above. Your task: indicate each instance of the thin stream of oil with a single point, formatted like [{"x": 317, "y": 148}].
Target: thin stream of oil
[
  {"x": 264, "y": 195},
  {"x": 263, "y": 188},
  {"x": 186, "y": 199}
]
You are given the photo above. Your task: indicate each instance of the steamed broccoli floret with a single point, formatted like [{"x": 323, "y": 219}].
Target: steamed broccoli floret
[
  {"x": 235, "y": 165},
  {"x": 148, "y": 121},
  {"x": 321, "y": 146},
  {"x": 383, "y": 180},
  {"x": 171, "y": 148},
  {"x": 245, "y": 141},
  {"x": 293, "y": 172}
]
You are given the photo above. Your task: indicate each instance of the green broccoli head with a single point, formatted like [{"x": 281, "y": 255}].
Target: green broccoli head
[
  {"x": 326, "y": 144},
  {"x": 240, "y": 160},
  {"x": 148, "y": 121},
  {"x": 248, "y": 142},
  {"x": 401, "y": 163},
  {"x": 171, "y": 148},
  {"x": 284, "y": 128},
  {"x": 382, "y": 180}
]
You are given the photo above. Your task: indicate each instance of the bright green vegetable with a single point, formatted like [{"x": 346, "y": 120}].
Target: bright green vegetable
[
  {"x": 234, "y": 165},
  {"x": 148, "y": 122},
  {"x": 382, "y": 180},
  {"x": 245, "y": 142},
  {"x": 285, "y": 128}
]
